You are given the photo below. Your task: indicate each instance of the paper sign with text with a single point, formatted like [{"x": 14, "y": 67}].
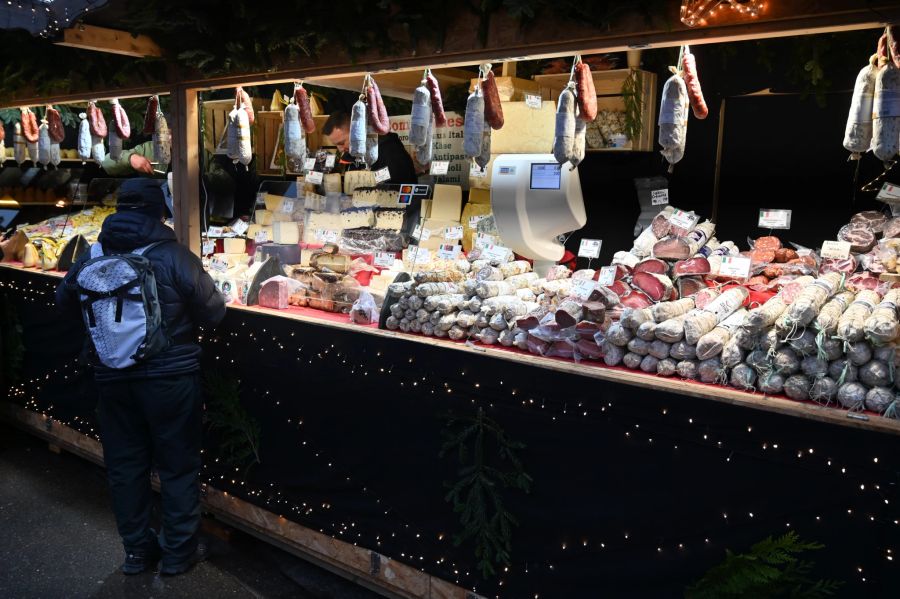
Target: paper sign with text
[
  {"x": 384, "y": 259},
  {"x": 453, "y": 232},
  {"x": 839, "y": 250},
  {"x": 607, "y": 276},
  {"x": 314, "y": 177},
  {"x": 774, "y": 219},
  {"x": 496, "y": 252},
  {"x": 590, "y": 248},
  {"x": 583, "y": 288},
  {"x": 382, "y": 175},
  {"x": 439, "y": 167},
  {"x": 735, "y": 266},
  {"x": 449, "y": 251},
  {"x": 683, "y": 220},
  {"x": 659, "y": 197},
  {"x": 327, "y": 235},
  {"x": 240, "y": 226},
  {"x": 533, "y": 101}
]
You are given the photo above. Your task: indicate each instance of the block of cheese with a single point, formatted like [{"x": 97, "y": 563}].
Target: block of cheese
[
  {"x": 526, "y": 130},
  {"x": 387, "y": 218},
  {"x": 479, "y": 196},
  {"x": 332, "y": 183},
  {"x": 356, "y": 218},
  {"x": 354, "y": 179},
  {"x": 433, "y": 233},
  {"x": 446, "y": 202},
  {"x": 472, "y": 214},
  {"x": 375, "y": 197},
  {"x": 485, "y": 181},
  {"x": 282, "y": 217},
  {"x": 288, "y": 232},
  {"x": 263, "y": 217},
  {"x": 254, "y": 230},
  {"x": 275, "y": 203},
  {"x": 321, "y": 221},
  {"x": 235, "y": 245}
]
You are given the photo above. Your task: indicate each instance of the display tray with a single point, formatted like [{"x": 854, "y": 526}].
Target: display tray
[{"x": 779, "y": 404}]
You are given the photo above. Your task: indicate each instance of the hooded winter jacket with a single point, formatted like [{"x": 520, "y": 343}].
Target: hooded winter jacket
[{"x": 187, "y": 295}]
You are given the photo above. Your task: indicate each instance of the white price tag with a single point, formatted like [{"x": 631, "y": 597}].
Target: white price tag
[
  {"x": 214, "y": 232},
  {"x": 683, "y": 220},
  {"x": 448, "y": 251},
  {"x": 607, "y": 276},
  {"x": 453, "y": 232},
  {"x": 659, "y": 197},
  {"x": 240, "y": 226},
  {"x": 439, "y": 167},
  {"x": 425, "y": 235},
  {"x": 419, "y": 255},
  {"x": 483, "y": 240},
  {"x": 836, "y": 249},
  {"x": 314, "y": 177},
  {"x": 474, "y": 220},
  {"x": 533, "y": 101},
  {"x": 382, "y": 175},
  {"x": 735, "y": 266},
  {"x": 417, "y": 231},
  {"x": 583, "y": 288},
  {"x": 477, "y": 172},
  {"x": 888, "y": 191},
  {"x": 496, "y": 252},
  {"x": 218, "y": 265},
  {"x": 309, "y": 164},
  {"x": 287, "y": 206},
  {"x": 329, "y": 161},
  {"x": 327, "y": 235},
  {"x": 209, "y": 247},
  {"x": 261, "y": 237},
  {"x": 774, "y": 219},
  {"x": 384, "y": 259},
  {"x": 590, "y": 248}
]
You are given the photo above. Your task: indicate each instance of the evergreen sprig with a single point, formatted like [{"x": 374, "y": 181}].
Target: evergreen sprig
[
  {"x": 633, "y": 96},
  {"x": 12, "y": 352},
  {"x": 478, "y": 495},
  {"x": 771, "y": 569},
  {"x": 238, "y": 432}
]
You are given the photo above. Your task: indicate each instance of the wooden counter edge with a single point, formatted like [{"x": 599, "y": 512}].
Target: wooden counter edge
[{"x": 364, "y": 567}]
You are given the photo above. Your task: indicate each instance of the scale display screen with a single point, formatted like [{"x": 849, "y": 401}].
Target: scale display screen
[{"x": 545, "y": 176}]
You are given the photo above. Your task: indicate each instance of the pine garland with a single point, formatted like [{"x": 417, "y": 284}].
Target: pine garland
[
  {"x": 478, "y": 495},
  {"x": 12, "y": 348},
  {"x": 238, "y": 433},
  {"x": 771, "y": 569}
]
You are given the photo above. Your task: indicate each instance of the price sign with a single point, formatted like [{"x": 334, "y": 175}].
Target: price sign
[
  {"x": 439, "y": 167},
  {"x": 425, "y": 235},
  {"x": 659, "y": 197},
  {"x": 607, "y": 276},
  {"x": 774, "y": 219},
  {"x": 384, "y": 259},
  {"x": 496, "y": 252},
  {"x": 419, "y": 255},
  {"x": 477, "y": 172},
  {"x": 735, "y": 266},
  {"x": 329, "y": 161},
  {"x": 590, "y": 248},
  {"x": 327, "y": 235},
  {"x": 483, "y": 240},
  {"x": 888, "y": 192},
  {"x": 448, "y": 252},
  {"x": 583, "y": 288},
  {"x": 240, "y": 226},
  {"x": 261, "y": 237},
  {"x": 214, "y": 232},
  {"x": 218, "y": 265},
  {"x": 314, "y": 177},
  {"x": 839, "y": 250},
  {"x": 417, "y": 231},
  {"x": 287, "y": 206},
  {"x": 209, "y": 247},
  {"x": 382, "y": 175},
  {"x": 683, "y": 220},
  {"x": 453, "y": 232},
  {"x": 260, "y": 198},
  {"x": 533, "y": 101},
  {"x": 309, "y": 164},
  {"x": 474, "y": 220}
]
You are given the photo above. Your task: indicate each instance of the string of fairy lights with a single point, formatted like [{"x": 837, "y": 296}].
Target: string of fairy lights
[
  {"x": 699, "y": 12},
  {"x": 669, "y": 429}
]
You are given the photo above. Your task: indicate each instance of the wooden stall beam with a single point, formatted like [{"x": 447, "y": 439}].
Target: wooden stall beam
[
  {"x": 82, "y": 98},
  {"x": 186, "y": 166},
  {"x": 362, "y": 566},
  {"x": 112, "y": 41}
]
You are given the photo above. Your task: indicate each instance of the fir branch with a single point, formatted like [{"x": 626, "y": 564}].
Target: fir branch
[
  {"x": 238, "y": 432},
  {"x": 633, "y": 96}
]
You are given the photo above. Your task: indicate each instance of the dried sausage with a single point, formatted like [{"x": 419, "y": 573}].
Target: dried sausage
[
  {"x": 162, "y": 141},
  {"x": 420, "y": 120},
  {"x": 437, "y": 103},
  {"x": 43, "y": 143},
  {"x": 473, "y": 128},
  {"x": 120, "y": 118},
  {"x": 358, "y": 130},
  {"x": 150, "y": 115},
  {"x": 587, "y": 94},
  {"x": 378, "y": 116},
  {"x": 692, "y": 82},
  {"x": 293, "y": 133},
  {"x": 242, "y": 100},
  {"x": 493, "y": 110},
  {"x": 673, "y": 119},
  {"x": 886, "y": 113},
  {"x": 55, "y": 125},
  {"x": 564, "y": 137},
  {"x": 84, "y": 137},
  {"x": 301, "y": 98},
  {"x": 29, "y": 126},
  {"x": 97, "y": 121}
]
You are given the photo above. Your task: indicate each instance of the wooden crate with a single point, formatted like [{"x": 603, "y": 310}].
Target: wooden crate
[
  {"x": 215, "y": 119},
  {"x": 513, "y": 89},
  {"x": 608, "y": 85}
]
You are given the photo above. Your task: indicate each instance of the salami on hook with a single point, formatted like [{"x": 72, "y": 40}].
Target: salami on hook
[
  {"x": 29, "y": 126},
  {"x": 97, "y": 121},
  {"x": 120, "y": 118},
  {"x": 587, "y": 94},
  {"x": 242, "y": 100},
  {"x": 437, "y": 103},
  {"x": 692, "y": 81},
  {"x": 493, "y": 110},
  {"x": 301, "y": 98},
  {"x": 150, "y": 115},
  {"x": 378, "y": 116},
  {"x": 55, "y": 125}
]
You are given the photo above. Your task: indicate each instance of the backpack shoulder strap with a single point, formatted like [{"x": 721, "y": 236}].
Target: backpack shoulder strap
[{"x": 144, "y": 250}]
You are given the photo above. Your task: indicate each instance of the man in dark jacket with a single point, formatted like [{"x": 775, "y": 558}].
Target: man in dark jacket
[
  {"x": 150, "y": 413},
  {"x": 391, "y": 152}
]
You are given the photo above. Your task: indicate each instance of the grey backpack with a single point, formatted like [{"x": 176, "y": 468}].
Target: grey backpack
[{"x": 120, "y": 306}]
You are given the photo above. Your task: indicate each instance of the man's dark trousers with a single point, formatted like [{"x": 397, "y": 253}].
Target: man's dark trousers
[{"x": 154, "y": 421}]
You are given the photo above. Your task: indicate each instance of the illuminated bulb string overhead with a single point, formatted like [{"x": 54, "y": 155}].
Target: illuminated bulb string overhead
[
  {"x": 699, "y": 12},
  {"x": 45, "y": 18}
]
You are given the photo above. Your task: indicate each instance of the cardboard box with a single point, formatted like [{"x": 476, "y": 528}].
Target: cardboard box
[{"x": 446, "y": 202}]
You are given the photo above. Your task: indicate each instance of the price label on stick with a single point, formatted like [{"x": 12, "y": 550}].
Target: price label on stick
[
  {"x": 583, "y": 288},
  {"x": 384, "y": 259},
  {"x": 327, "y": 235},
  {"x": 533, "y": 101},
  {"x": 309, "y": 164},
  {"x": 214, "y": 232},
  {"x": 453, "y": 232},
  {"x": 240, "y": 226},
  {"x": 382, "y": 175},
  {"x": 314, "y": 177},
  {"x": 774, "y": 219},
  {"x": 477, "y": 172},
  {"x": 590, "y": 248},
  {"x": 439, "y": 167},
  {"x": 496, "y": 252},
  {"x": 735, "y": 266},
  {"x": 836, "y": 249},
  {"x": 683, "y": 220},
  {"x": 448, "y": 251},
  {"x": 425, "y": 235},
  {"x": 329, "y": 161},
  {"x": 261, "y": 237},
  {"x": 607, "y": 276},
  {"x": 659, "y": 197},
  {"x": 482, "y": 240},
  {"x": 287, "y": 206},
  {"x": 474, "y": 220},
  {"x": 419, "y": 255},
  {"x": 209, "y": 247}
]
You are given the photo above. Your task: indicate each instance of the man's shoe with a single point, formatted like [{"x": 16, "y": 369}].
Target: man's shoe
[
  {"x": 200, "y": 554},
  {"x": 138, "y": 561}
]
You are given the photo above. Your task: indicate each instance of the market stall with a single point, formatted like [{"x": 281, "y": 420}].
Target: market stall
[{"x": 416, "y": 385}]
